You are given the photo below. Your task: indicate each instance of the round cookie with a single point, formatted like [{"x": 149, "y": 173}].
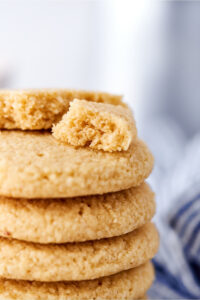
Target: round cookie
[
  {"x": 76, "y": 220},
  {"x": 40, "y": 108},
  {"x": 35, "y": 165},
  {"x": 78, "y": 261},
  {"x": 129, "y": 284}
]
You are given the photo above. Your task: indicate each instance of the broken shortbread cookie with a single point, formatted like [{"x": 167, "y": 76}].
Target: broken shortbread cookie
[
  {"x": 100, "y": 126},
  {"x": 34, "y": 109}
]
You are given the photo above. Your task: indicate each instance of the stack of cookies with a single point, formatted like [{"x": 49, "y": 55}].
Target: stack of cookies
[{"x": 75, "y": 222}]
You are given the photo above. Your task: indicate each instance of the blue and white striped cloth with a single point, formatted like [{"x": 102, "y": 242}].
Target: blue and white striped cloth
[{"x": 176, "y": 180}]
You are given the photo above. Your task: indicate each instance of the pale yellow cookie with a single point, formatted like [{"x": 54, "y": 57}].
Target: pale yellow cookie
[
  {"x": 100, "y": 126},
  {"x": 76, "y": 220},
  {"x": 40, "y": 108},
  {"x": 78, "y": 261},
  {"x": 127, "y": 285},
  {"x": 35, "y": 165}
]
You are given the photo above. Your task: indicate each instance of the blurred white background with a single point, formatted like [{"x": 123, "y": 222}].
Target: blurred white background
[{"x": 88, "y": 44}]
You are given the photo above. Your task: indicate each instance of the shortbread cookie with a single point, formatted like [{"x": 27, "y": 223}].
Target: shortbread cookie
[
  {"x": 35, "y": 165},
  {"x": 76, "y": 220},
  {"x": 100, "y": 126},
  {"x": 40, "y": 108},
  {"x": 77, "y": 261},
  {"x": 127, "y": 285}
]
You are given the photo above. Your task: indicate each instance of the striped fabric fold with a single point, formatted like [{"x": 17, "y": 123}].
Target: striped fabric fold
[{"x": 176, "y": 181}]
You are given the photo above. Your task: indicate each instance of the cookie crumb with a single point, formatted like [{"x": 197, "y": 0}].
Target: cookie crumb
[
  {"x": 7, "y": 233},
  {"x": 99, "y": 126}
]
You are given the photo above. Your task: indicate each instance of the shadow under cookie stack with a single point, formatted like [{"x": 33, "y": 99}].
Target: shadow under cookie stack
[{"x": 75, "y": 222}]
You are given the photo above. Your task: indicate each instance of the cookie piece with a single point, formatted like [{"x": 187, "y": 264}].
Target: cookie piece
[
  {"x": 100, "y": 126},
  {"x": 35, "y": 165},
  {"x": 129, "y": 284},
  {"x": 78, "y": 261},
  {"x": 76, "y": 220},
  {"x": 40, "y": 108}
]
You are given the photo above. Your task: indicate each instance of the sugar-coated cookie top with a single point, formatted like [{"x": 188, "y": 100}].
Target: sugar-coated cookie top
[
  {"x": 77, "y": 261},
  {"x": 36, "y": 165},
  {"x": 130, "y": 284},
  {"x": 76, "y": 220}
]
